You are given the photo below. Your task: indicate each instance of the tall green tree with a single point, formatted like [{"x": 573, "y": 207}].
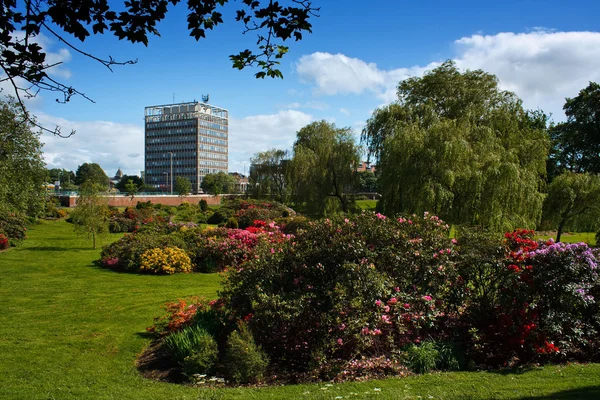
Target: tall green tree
[
  {"x": 122, "y": 184},
  {"x": 183, "y": 186},
  {"x": 460, "y": 147},
  {"x": 573, "y": 202},
  {"x": 576, "y": 142},
  {"x": 217, "y": 184},
  {"x": 268, "y": 174},
  {"x": 93, "y": 173},
  {"x": 322, "y": 170},
  {"x": 366, "y": 181},
  {"x": 22, "y": 169},
  {"x": 91, "y": 215}
]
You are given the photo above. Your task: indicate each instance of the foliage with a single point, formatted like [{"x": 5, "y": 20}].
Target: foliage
[
  {"x": 23, "y": 57},
  {"x": 244, "y": 361},
  {"x": 366, "y": 181},
  {"x": 232, "y": 223},
  {"x": 64, "y": 176},
  {"x": 217, "y": 184},
  {"x": 22, "y": 171},
  {"x": 194, "y": 349},
  {"x": 203, "y": 205},
  {"x": 92, "y": 173},
  {"x": 343, "y": 287},
  {"x": 422, "y": 358},
  {"x": 322, "y": 168},
  {"x": 4, "y": 241},
  {"x": 166, "y": 260},
  {"x": 124, "y": 181},
  {"x": 126, "y": 253},
  {"x": 91, "y": 216},
  {"x": 13, "y": 226},
  {"x": 576, "y": 142},
  {"x": 183, "y": 186},
  {"x": 268, "y": 175},
  {"x": 460, "y": 147},
  {"x": 246, "y": 211},
  {"x": 573, "y": 202}
]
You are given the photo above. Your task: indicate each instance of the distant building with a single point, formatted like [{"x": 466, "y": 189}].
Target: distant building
[
  {"x": 242, "y": 182},
  {"x": 118, "y": 175},
  {"x": 185, "y": 139},
  {"x": 365, "y": 166}
]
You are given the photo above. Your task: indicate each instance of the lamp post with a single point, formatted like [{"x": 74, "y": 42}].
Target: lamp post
[{"x": 171, "y": 172}]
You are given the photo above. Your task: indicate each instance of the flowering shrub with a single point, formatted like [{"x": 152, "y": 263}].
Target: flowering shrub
[
  {"x": 365, "y": 294},
  {"x": 12, "y": 225},
  {"x": 125, "y": 254},
  {"x": 539, "y": 302},
  {"x": 340, "y": 288},
  {"x": 165, "y": 260},
  {"x": 246, "y": 211},
  {"x": 3, "y": 241}
]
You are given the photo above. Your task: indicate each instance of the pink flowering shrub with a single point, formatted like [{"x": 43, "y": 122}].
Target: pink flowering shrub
[{"x": 365, "y": 284}]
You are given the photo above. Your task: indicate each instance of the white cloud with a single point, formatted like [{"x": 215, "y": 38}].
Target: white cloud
[
  {"x": 250, "y": 135},
  {"x": 345, "y": 112},
  {"x": 339, "y": 74},
  {"x": 541, "y": 66},
  {"x": 313, "y": 105},
  {"x": 110, "y": 144}
]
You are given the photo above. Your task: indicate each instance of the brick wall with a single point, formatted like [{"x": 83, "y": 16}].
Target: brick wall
[{"x": 125, "y": 201}]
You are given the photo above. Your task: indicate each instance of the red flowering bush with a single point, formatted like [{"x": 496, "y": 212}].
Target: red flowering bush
[
  {"x": 3, "y": 241},
  {"x": 536, "y": 298}
]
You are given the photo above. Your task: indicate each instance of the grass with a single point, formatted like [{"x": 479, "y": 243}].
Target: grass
[
  {"x": 585, "y": 237},
  {"x": 70, "y": 330},
  {"x": 368, "y": 205}
]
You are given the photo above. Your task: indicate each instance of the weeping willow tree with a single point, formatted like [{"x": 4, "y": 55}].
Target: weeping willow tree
[
  {"x": 323, "y": 168},
  {"x": 456, "y": 145}
]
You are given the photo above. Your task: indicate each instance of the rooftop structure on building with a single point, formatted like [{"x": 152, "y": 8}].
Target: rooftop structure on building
[{"x": 185, "y": 139}]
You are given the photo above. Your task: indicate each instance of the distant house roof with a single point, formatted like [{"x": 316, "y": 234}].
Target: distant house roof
[{"x": 119, "y": 174}]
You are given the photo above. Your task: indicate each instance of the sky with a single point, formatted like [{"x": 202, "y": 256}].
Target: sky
[{"x": 544, "y": 51}]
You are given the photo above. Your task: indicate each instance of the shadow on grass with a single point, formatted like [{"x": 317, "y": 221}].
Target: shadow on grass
[
  {"x": 51, "y": 248},
  {"x": 590, "y": 392},
  {"x": 513, "y": 371}
]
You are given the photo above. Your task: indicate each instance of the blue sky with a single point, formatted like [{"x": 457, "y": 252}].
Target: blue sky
[{"x": 350, "y": 65}]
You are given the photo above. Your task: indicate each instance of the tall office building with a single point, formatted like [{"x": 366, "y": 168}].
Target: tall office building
[{"x": 192, "y": 137}]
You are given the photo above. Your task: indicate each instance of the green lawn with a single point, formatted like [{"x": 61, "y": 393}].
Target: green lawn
[
  {"x": 70, "y": 330},
  {"x": 586, "y": 237}
]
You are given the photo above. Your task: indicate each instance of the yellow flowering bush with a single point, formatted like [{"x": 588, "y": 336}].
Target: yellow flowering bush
[{"x": 166, "y": 260}]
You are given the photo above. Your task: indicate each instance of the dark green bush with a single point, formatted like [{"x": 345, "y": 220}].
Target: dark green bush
[
  {"x": 422, "y": 358},
  {"x": 194, "y": 348},
  {"x": 220, "y": 216},
  {"x": 244, "y": 361},
  {"x": 203, "y": 205},
  {"x": 232, "y": 223}
]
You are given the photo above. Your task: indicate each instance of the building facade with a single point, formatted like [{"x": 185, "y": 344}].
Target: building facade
[{"x": 191, "y": 138}]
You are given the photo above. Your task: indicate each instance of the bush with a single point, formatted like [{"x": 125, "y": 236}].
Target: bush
[
  {"x": 422, "y": 358},
  {"x": 12, "y": 225},
  {"x": 244, "y": 361},
  {"x": 366, "y": 284},
  {"x": 3, "y": 242},
  {"x": 232, "y": 223},
  {"x": 220, "y": 216},
  {"x": 194, "y": 349},
  {"x": 203, "y": 205},
  {"x": 165, "y": 260}
]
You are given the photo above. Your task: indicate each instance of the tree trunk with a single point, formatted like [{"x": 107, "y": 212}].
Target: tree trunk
[
  {"x": 560, "y": 230},
  {"x": 94, "y": 240}
]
